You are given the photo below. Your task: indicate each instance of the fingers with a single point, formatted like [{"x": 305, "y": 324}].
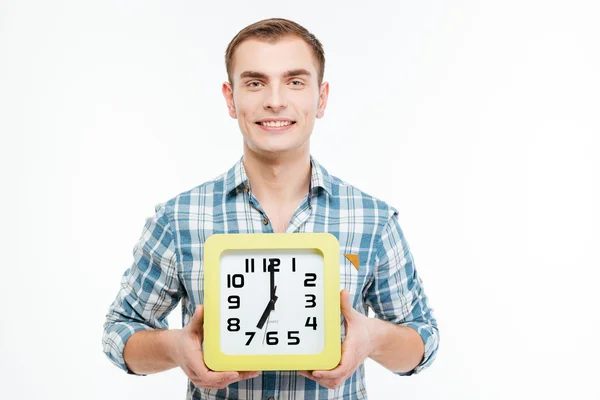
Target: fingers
[
  {"x": 212, "y": 382},
  {"x": 330, "y": 383},
  {"x": 192, "y": 361},
  {"x": 195, "y": 368},
  {"x": 220, "y": 380},
  {"x": 248, "y": 375},
  {"x": 305, "y": 374},
  {"x": 338, "y": 372},
  {"x": 332, "y": 379}
]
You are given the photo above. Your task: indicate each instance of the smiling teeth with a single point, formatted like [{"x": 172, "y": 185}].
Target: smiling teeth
[{"x": 276, "y": 123}]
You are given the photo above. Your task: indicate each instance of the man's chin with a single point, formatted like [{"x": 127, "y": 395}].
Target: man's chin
[{"x": 273, "y": 151}]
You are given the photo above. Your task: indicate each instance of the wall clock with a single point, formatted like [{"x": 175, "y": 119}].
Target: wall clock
[{"x": 272, "y": 302}]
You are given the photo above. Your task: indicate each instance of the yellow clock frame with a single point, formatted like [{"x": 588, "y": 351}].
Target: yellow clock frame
[{"x": 325, "y": 243}]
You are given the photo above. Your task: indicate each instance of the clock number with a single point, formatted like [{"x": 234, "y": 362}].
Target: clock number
[
  {"x": 310, "y": 279},
  {"x": 312, "y": 300},
  {"x": 313, "y": 325},
  {"x": 237, "y": 280},
  {"x": 251, "y": 334},
  {"x": 272, "y": 338},
  {"x": 293, "y": 264},
  {"x": 249, "y": 265},
  {"x": 233, "y": 324},
  {"x": 234, "y": 300},
  {"x": 273, "y": 264},
  {"x": 296, "y": 339}
]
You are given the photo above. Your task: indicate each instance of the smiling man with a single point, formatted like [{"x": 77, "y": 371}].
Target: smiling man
[{"x": 276, "y": 92}]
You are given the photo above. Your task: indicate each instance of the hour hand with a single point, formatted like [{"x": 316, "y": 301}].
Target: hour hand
[{"x": 267, "y": 311}]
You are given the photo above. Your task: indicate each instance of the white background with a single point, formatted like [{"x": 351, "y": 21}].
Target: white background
[{"x": 478, "y": 120}]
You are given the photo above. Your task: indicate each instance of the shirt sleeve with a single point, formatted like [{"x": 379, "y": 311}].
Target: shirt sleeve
[
  {"x": 396, "y": 292},
  {"x": 150, "y": 289}
]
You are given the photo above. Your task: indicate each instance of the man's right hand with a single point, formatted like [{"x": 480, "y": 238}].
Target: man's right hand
[{"x": 187, "y": 353}]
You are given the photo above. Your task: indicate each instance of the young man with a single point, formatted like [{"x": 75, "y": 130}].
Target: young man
[{"x": 275, "y": 91}]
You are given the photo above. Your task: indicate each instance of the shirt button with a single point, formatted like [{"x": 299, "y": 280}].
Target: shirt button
[
  {"x": 246, "y": 188},
  {"x": 265, "y": 220}
]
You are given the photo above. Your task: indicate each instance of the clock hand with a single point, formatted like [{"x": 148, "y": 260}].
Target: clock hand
[
  {"x": 270, "y": 307},
  {"x": 267, "y": 327},
  {"x": 265, "y": 314},
  {"x": 265, "y": 334},
  {"x": 272, "y": 283}
]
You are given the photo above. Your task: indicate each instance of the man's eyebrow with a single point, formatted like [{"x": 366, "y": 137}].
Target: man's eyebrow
[
  {"x": 252, "y": 74},
  {"x": 286, "y": 74},
  {"x": 296, "y": 72}
]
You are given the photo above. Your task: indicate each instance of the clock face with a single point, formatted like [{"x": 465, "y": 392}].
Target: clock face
[{"x": 271, "y": 302}]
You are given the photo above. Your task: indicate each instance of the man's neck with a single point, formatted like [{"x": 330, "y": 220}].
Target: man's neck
[{"x": 281, "y": 181}]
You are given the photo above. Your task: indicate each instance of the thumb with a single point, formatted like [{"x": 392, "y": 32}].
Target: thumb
[
  {"x": 347, "y": 309},
  {"x": 197, "y": 319}
]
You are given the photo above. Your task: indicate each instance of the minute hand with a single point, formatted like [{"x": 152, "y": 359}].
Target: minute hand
[{"x": 272, "y": 284}]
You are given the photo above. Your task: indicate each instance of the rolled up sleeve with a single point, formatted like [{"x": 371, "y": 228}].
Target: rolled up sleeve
[
  {"x": 396, "y": 292},
  {"x": 150, "y": 288}
]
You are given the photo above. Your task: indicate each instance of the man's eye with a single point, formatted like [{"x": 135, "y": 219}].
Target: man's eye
[
  {"x": 254, "y": 84},
  {"x": 297, "y": 83}
]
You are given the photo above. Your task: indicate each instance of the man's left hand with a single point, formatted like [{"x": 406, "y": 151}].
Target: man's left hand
[{"x": 356, "y": 348}]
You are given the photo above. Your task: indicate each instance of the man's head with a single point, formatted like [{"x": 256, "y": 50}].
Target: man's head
[{"x": 275, "y": 69}]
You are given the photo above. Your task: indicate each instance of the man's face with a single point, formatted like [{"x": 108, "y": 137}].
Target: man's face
[{"x": 275, "y": 95}]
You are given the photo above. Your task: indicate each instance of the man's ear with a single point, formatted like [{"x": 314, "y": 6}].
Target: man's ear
[
  {"x": 227, "y": 90},
  {"x": 323, "y": 95}
]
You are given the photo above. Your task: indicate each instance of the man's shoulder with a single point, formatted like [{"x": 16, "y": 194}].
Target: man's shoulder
[
  {"x": 347, "y": 191},
  {"x": 213, "y": 187}
]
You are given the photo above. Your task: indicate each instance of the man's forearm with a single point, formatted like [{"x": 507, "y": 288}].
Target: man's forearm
[
  {"x": 398, "y": 348},
  {"x": 147, "y": 352}
]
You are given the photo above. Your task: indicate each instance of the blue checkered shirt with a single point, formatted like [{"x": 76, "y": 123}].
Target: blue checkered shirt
[{"x": 168, "y": 258}]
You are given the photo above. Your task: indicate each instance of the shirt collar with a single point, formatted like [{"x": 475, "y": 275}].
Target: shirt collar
[{"x": 237, "y": 180}]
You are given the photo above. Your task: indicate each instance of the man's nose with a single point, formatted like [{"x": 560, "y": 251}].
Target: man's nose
[{"x": 275, "y": 99}]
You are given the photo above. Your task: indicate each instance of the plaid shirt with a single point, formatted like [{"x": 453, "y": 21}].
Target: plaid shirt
[{"x": 168, "y": 258}]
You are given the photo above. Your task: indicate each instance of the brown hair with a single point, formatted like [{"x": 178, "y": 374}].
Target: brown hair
[{"x": 271, "y": 30}]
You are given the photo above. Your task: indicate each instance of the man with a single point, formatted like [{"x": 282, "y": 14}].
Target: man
[{"x": 275, "y": 91}]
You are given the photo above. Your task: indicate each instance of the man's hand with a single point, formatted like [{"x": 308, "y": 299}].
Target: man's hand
[
  {"x": 270, "y": 307},
  {"x": 356, "y": 347},
  {"x": 187, "y": 353}
]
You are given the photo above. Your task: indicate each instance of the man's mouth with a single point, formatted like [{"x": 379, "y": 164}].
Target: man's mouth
[{"x": 274, "y": 124}]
